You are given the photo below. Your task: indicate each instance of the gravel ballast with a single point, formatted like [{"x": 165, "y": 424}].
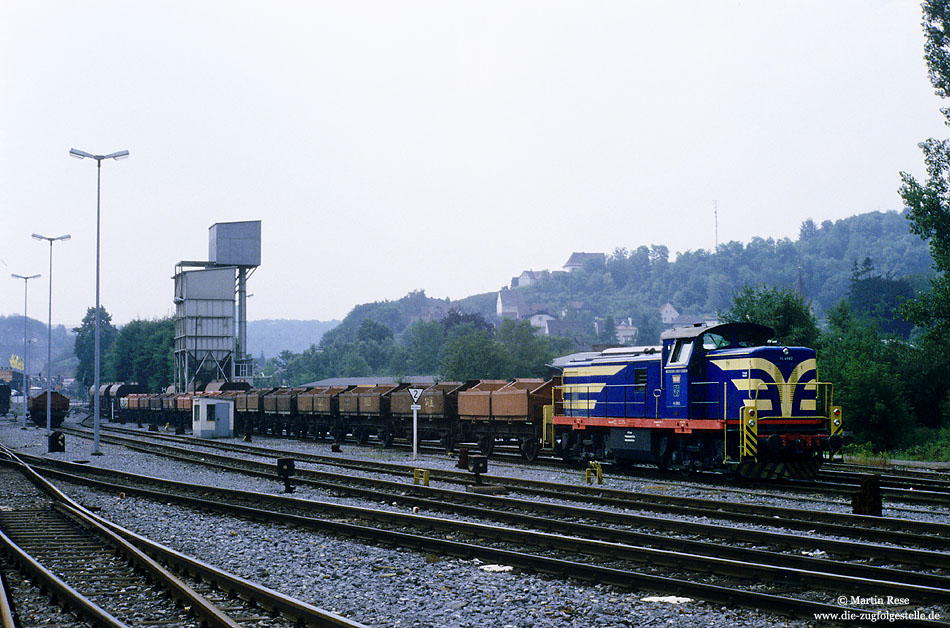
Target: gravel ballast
[{"x": 376, "y": 585}]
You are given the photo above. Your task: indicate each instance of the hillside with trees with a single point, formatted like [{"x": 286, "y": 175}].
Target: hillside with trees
[{"x": 818, "y": 266}]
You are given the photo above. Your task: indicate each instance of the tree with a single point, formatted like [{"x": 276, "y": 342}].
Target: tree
[
  {"x": 528, "y": 353},
  {"x": 143, "y": 352},
  {"x": 865, "y": 372},
  {"x": 424, "y": 341},
  {"x": 782, "y": 309},
  {"x": 455, "y": 318},
  {"x": 876, "y": 298},
  {"x": 473, "y": 355},
  {"x": 929, "y": 203},
  {"x": 85, "y": 347}
]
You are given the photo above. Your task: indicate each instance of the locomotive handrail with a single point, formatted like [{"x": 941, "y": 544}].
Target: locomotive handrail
[{"x": 575, "y": 406}]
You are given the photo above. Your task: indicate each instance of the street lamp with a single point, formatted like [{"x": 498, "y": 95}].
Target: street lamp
[
  {"x": 49, "y": 333},
  {"x": 81, "y": 154},
  {"x": 26, "y": 346}
]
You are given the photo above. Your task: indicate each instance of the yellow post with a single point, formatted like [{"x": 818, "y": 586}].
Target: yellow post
[
  {"x": 547, "y": 428},
  {"x": 750, "y": 433},
  {"x": 594, "y": 470},
  {"x": 422, "y": 474}
]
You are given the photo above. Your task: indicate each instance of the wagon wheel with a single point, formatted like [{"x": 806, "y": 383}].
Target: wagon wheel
[
  {"x": 565, "y": 445},
  {"x": 529, "y": 449},
  {"x": 385, "y": 436},
  {"x": 486, "y": 444},
  {"x": 448, "y": 442},
  {"x": 339, "y": 434},
  {"x": 362, "y": 435}
]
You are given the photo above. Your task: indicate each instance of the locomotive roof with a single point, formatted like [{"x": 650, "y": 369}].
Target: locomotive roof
[{"x": 724, "y": 329}]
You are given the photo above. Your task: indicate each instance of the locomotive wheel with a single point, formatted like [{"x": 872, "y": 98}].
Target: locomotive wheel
[
  {"x": 486, "y": 445},
  {"x": 529, "y": 449}
]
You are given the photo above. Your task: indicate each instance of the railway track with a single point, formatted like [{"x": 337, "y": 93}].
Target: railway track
[
  {"x": 114, "y": 578},
  {"x": 432, "y": 499},
  {"x": 873, "y": 529},
  {"x": 573, "y": 549},
  {"x": 804, "y": 491},
  {"x": 834, "y": 481}
]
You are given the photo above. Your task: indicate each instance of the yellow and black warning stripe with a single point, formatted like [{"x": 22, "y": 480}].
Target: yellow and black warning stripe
[{"x": 750, "y": 433}]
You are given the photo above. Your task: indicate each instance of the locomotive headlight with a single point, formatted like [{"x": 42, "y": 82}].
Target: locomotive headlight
[
  {"x": 837, "y": 412},
  {"x": 837, "y": 422},
  {"x": 751, "y": 422},
  {"x": 751, "y": 411},
  {"x": 784, "y": 350}
]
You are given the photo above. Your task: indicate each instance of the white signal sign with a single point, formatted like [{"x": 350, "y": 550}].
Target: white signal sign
[{"x": 414, "y": 393}]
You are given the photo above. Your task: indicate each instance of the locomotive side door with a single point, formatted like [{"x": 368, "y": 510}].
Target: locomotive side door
[{"x": 676, "y": 378}]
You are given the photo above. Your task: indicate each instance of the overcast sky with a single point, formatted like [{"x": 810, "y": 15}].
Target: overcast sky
[{"x": 445, "y": 146}]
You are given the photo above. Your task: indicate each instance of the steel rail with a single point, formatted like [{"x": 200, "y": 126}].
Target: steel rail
[
  {"x": 140, "y": 547},
  {"x": 618, "y": 577},
  {"x": 270, "y": 599},
  {"x": 191, "y": 599},
  {"x": 887, "y": 529},
  {"x": 59, "y": 589},
  {"x": 744, "y": 569},
  {"x": 439, "y": 499},
  {"x": 926, "y": 494},
  {"x": 6, "y": 608}
]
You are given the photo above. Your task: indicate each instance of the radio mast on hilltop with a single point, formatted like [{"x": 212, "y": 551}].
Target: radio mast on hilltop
[{"x": 716, "y": 220}]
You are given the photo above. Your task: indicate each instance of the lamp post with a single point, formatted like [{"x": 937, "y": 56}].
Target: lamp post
[
  {"x": 81, "y": 154},
  {"x": 26, "y": 346},
  {"x": 49, "y": 332}
]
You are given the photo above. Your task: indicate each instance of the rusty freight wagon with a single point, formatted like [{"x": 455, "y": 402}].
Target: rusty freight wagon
[
  {"x": 373, "y": 414},
  {"x": 320, "y": 409},
  {"x": 437, "y": 414},
  {"x": 517, "y": 411},
  {"x": 59, "y": 408},
  {"x": 474, "y": 406},
  {"x": 248, "y": 410}
]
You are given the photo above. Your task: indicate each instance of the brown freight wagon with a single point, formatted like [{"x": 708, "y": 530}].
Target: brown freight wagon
[
  {"x": 118, "y": 394},
  {"x": 437, "y": 414},
  {"x": 248, "y": 410},
  {"x": 373, "y": 414},
  {"x": 350, "y": 399},
  {"x": 518, "y": 411},
  {"x": 306, "y": 398},
  {"x": 327, "y": 401},
  {"x": 319, "y": 409},
  {"x": 287, "y": 420},
  {"x": 475, "y": 402},
  {"x": 59, "y": 408},
  {"x": 475, "y": 413}
]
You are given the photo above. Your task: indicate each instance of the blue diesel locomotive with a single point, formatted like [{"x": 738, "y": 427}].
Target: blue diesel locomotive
[{"x": 710, "y": 397}]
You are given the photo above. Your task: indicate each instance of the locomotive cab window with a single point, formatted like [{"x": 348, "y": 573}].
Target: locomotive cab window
[
  {"x": 679, "y": 356},
  {"x": 714, "y": 341}
]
